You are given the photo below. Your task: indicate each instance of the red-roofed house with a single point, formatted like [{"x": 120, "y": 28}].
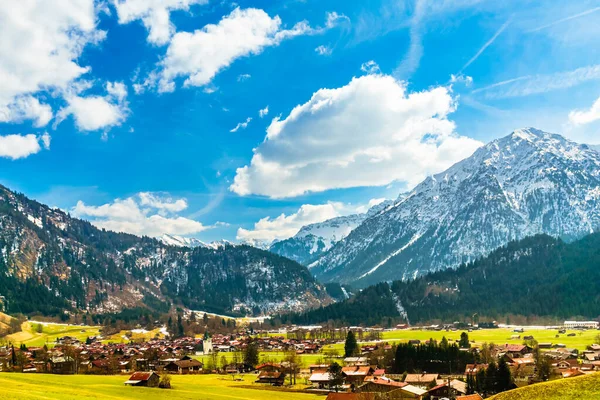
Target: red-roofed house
[{"x": 149, "y": 379}]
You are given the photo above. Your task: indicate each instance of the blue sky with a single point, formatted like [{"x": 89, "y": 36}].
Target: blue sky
[{"x": 125, "y": 112}]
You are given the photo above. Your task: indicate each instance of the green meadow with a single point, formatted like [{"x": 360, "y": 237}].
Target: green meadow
[{"x": 198, "y": 387}]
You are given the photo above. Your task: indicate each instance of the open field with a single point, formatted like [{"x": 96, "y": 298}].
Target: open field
[
  {"x": 580, "y": 341},
  {"x": 4, "y": 322},
  {"x": 198, "y": 387},
  {"x": 578, "y": 388},
  {"x": 30, "y": 337},
  {"x": 266, "y": 356}
]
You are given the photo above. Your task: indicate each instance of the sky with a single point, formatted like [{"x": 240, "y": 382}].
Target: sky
[{"x": 246, "y": 120}]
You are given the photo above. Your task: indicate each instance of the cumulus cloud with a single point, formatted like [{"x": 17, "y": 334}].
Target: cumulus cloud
[
  {"x": 582, "y": 117},
  {"x": 198, "y": 56},
  {"x": 146, "y": 213},
  {"x": 154, "y": 14},
  {"x": 241, "y": 125},
  {"x": 41, "y": 43},
  {"x": 92, "y": 113},
  {"x": 284, "y": 226},
  {"x": 264, "y": 112},
  {"x": 370, "y": 132},
  {"x": 21, "y": 146}
]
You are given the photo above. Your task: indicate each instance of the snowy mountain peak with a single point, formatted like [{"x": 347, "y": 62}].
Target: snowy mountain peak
[
  {"x": 526, "y": 183},
  {"x": 180, "y": 241}
]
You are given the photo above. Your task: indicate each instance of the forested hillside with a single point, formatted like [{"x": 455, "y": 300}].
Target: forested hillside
[
  {"x": 536, "y": 276},
  {"x": 51, "y": 263}
]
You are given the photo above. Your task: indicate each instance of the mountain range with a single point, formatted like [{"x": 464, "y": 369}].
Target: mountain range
[
  {"x": 313, "y": 240},
  {"x": 539, "y": 276},
  {"x": 526, "y": 183},
  {"x": 51, "y": 263}
]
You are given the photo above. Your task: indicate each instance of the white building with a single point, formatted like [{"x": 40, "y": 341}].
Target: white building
[{"x": 581, "y": 324}]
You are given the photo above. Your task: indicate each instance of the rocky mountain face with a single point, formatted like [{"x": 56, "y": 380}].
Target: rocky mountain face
[
  {"x": 313, "y": 240},
  {"x": 180, "y": 241},
  {"x": 50, "y": 262},
  {"x": 526, "y": 183}
]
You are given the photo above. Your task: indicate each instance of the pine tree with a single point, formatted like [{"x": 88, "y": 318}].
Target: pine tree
[
  {"x": 504, "y": 378},
  {"x": 350, "y": 347},
  {"x": 251, "y": 355}
]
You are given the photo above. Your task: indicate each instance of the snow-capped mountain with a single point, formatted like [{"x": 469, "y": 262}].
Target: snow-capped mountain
[
  {"x": 180, "y": 241},
  {"x": 51, "y": 263},
  {"x": 313, "y": 240},
  {"x": 526, "y": 183}
]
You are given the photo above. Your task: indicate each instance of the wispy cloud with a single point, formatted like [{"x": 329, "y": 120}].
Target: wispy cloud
[
  {"x": 565, "y": 19},
  {"x": 412, "y": 59},
  {"x": 241, "y": 125},
  {"x": 541, "y": 83},
  {"x": 486, "y": 45}
]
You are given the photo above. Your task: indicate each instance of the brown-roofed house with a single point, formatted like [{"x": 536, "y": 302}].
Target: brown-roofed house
[
  {"x": 422, "y": 381},
  {"x": 183, "y": 367},
  {"x": 149, "y": 379}
]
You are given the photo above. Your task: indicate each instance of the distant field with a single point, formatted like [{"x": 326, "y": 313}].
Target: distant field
[
  {"x": 197, "y": 387},
  {"x": 274, "y": 356},
  {"x": 579, "y": 388},
  {"x": 580, "y": 341},
  {"x": 30, "y": 337}
]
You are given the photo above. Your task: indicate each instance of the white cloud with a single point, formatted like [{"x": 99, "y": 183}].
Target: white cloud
[
  {"x": 21, "y": 146},
  {"x": 284, "y": 226},
  {"x": 370, "y": 67},
  {"x": 535, "y": 84},
  {"x": 241, "y": 125},
  {"x": 264, "y": 112},
  {"x": 40, "y": 42},
  {"x": 168, "y": 204},
  {"x": 198, "y": 56},
  {"x": 334, "y": 19},
  {"x": 370, "y": 132},
  {"x": 460, "y": 78},
  {"x": 579, "y": 117},
  {"x": 92, "y": 113},
  {"x": 155, "y": 15},
  {"x": 243, "y": 77},
  {"x": 142, "y": 214},
  {"x": 26, "y": 108},
  {"x": 323, "y": 50}
]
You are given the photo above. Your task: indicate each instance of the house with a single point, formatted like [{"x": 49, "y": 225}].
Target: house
[
  {"x": 61, "y": 365},
  {"x": 321, "y": 379},
  {"x": 381, "y": 385},
  {"x": 422, "y": 381},
  {"x": 473, "y": 369},
  {"x": 356, "y": 361},
  {"x": 448, "y": 390},
  {"x": 408, "y": 392},
  {"x": 356, "y": 375},
  {"x": 516, "y": 350},
  {"x": 183, "y": 367},
  {"x": 569, "y": 373},
  {"x": 352, "y": 396},
  {"x": 271, "y": 373},
  {"x": 148, "y": 379}
]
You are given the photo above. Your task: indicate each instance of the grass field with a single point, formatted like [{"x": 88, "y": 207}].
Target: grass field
[
  {"x": 267, "y": 356},
  {"x": 199, "y": 387},
  {"x": 578, "y": 388},
  {"x": 30, "y": 337}
]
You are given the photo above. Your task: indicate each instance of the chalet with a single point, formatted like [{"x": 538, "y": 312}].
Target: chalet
[
  {"x": 569, "y": 373},
  {"x": 473, "y": 369},
  {"x": 61, "y": 365},
  {"x": 356, "y": 375},
  {"x": 183, "y": 367},
  {"x": 516, "y": 350},
  {"x": 271, "y": 373},
  {"x": 422, "y": 381},
  {"x": 321, "y": 379},
  {"x": 380, "y": 385},
  {"x": 148, "y": 379},
  {"x": 448, "y": 390},
  {"x": 356, "y": 361}
]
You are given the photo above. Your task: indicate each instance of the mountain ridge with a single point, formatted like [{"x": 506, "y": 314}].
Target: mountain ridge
[{"x": 526, "y": 183}]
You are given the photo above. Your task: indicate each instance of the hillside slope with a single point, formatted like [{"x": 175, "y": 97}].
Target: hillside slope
[
  {"x": 50, "y": 262},
  {"x": 578, "y": 388},
  {"x": 536, "y": 276},
  {"x": 527, "y": 183}
]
